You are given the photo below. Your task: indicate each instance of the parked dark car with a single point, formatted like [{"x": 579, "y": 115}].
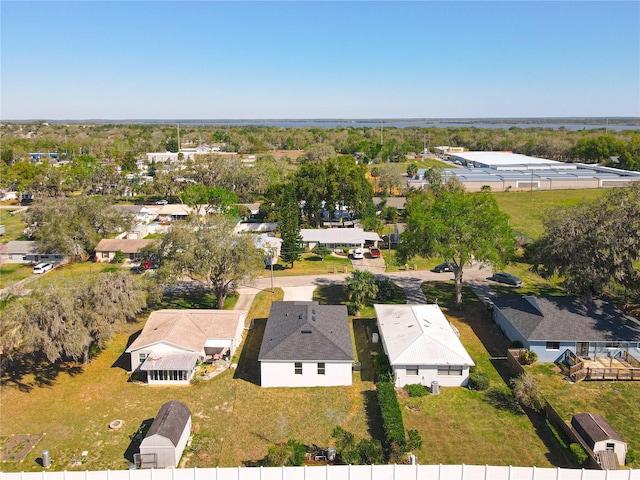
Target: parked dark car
[
  {"x": 445, "y": 267},
  {"x": 507, "y": 278},
  {"x": 137, "y": 269}
]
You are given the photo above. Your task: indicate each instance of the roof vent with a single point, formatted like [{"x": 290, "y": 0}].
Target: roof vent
[
  {"x": 300, "y": 317},
  {"x": 313, "y": 318},
  {"x": 305, "y": 331}
]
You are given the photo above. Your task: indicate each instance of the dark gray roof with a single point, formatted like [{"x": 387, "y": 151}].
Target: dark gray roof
[
  {"x": 593, "y": 428},
  {"x": 170, "y": 421},
  {"x": 568, "y": 319},
  {"x": 299, "y": 331}
]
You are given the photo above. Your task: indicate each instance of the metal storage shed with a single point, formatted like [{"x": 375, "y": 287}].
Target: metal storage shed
[{"x": 167, "y": 437}]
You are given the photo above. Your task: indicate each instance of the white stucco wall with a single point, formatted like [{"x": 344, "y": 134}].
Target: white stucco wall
[
  {"x": 428, "y": 374},
  {"x": 282, "y": 374}
]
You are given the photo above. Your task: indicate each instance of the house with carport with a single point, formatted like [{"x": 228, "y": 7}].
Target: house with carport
[
  {"x": 422, "y": 346},
  {"x": 306, "y": 344},
  {"x": 173, "y": 342},
  {"x": 338, "y": 238}
]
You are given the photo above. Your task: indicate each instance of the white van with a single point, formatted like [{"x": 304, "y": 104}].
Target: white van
[{"x": 42, "y": 268}]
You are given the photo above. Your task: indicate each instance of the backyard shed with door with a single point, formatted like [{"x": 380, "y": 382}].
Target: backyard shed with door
[
  {"x": 167, "y": 437},
  {"x": 599, "y": 436}
]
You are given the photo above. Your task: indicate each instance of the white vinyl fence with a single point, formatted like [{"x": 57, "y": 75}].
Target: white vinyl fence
[{"x": 338, "y": 472}]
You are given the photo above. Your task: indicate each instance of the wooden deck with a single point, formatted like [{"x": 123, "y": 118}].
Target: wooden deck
[{"x": 605, "y": 368}]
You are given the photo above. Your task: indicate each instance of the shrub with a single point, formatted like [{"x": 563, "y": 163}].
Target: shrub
[
  {"x": 578, "y": 454},
  {"x": 631, "y": 456},
  {"x": 528, "y": 357},
  {"x": 414, "y": 442},
  {"x": 290, "y": 453},
  {"x": 391, "y": 413},
  {"x": 370, "y": 452},
  {"x": 386, "y": 290},
  {"x": 416, "y": 390},
  {"x": 321, "y": 252},
  {"x": 383, "y": 367},
  {"x": 118, "y": 257},
  {"x": 479, "y": 381},
  {"x": 527, "y": 393}
]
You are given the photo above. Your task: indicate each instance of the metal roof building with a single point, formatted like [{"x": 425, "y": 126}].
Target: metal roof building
[{"x": 505, "y": 171}]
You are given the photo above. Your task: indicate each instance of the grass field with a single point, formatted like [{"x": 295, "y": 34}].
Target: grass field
[
  {"x": 618, "y": 402},
  {"x": 527, "y": 210},
  {"x": 13, "y": 272},
  {"x": 311, "y": 264},
  {"x": 13, "y": 224}
]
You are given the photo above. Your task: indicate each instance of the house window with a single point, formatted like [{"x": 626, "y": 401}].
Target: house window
[
  {"x": 611, "y": 446},
  {"x": 612, "y": 345},
  {"x": 450, "y": 370},
  {"x": 553, "y": 345},
  {"x": 412, "y": 370},
  {"x": 321, "y": 368},
  {"x": 298, "y": 368},
  {"x": 142, "y": 357}
]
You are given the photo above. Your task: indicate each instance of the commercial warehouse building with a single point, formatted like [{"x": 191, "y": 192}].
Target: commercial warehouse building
[{"x": 505, "y": 171}]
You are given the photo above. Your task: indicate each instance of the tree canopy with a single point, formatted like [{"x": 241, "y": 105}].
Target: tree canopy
[
  {"x": 74, "y": 226},
  {"x": 361, "y": 288},
  {"x": 211, "y": 253},
  {"x": 458, "y": 226},
  {"x": 593, "y": 244}
]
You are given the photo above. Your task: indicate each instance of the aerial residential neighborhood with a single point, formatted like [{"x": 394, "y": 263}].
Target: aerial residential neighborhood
[{"x": 319, "y": 240}]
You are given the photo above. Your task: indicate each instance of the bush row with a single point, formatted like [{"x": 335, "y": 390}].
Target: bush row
[{"x": 391, "y": 413}]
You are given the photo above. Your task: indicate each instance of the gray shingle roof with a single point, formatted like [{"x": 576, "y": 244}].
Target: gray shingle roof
[
  {"x": 299, "y": 331},
  {"x": 568, "y": 319},
  {"x": 170, "y": 421}
]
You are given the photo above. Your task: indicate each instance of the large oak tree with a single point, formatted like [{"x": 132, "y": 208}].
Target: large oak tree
[{"x": 459, "y": 226}]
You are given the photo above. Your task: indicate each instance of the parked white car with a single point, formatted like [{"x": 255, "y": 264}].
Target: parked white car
[
  {"x": 358, "y": 254},
  {"x": 42, "y": 268}
]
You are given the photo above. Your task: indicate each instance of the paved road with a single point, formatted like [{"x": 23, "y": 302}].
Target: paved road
[{"x": 410, "y": 281}]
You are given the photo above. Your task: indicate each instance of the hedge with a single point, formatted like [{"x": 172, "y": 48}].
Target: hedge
[{"x": 391, "y": 413}]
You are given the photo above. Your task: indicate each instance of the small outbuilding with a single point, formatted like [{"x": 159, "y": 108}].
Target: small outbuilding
[
  {"x": 599, "y": 436},
  {"x": 167, "y": 437}
]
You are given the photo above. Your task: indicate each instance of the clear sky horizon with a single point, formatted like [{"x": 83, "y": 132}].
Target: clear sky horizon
[{"x": 301, "y": 60}]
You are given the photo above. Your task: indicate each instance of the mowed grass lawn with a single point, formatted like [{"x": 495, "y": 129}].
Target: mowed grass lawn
[
  {"x": 617, "y": 402},
  {"x": 234, "y": 419},
  {"x": 311, "y": 264},
  {"x": 527, "y": 210}
]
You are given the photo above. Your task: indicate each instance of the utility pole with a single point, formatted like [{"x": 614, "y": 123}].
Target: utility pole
[{"x": 178, "y": 138}]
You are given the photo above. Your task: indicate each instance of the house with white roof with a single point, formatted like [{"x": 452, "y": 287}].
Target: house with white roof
[
  {"x": 422, "y": 346},
  {"x": 338, "y": 238}
]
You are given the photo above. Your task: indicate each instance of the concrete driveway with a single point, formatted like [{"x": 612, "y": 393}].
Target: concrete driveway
[{"x": 298, "y": 294}]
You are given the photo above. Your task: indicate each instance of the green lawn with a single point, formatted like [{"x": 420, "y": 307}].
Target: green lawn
[
  {"x": 13, "y": 272},
  {"x": 527, "y": 210},
  {"x": 311, "y": 264},
  {"x": 13, "y": 224},
  {"x": 618, "y": 402}
]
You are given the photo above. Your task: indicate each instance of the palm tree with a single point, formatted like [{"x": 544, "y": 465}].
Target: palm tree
[{"x": 360, "y": 287}]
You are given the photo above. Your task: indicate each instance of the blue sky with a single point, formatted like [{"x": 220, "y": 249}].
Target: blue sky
[{"x": 334, "y": 59}]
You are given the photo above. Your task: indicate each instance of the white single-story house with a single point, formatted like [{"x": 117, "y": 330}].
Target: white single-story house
[
  {"x": 599, "y": 436},
  {"x": 173, "y": 341},
  {"x": 164, "y": 443},
  {"x": 550, "y": 326},
  {"x": 422, "y": 346},
  {"x": 141, "y": 213},
  {"x": 306, "y": 345},
  {"x": 174, "y": 212},
  {"x": 132, "y": 248},
  {"x": 338, "y": 238},
  {"x": 24, "y": 251}
]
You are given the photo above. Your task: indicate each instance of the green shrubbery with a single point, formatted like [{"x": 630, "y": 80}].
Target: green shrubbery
[
  {"x": 578, "y": 454},
  {"x": 528, "y": 357},
  {"x": 416, "y": 390},
  {"x": 364, "y": 452},
  {"x": 479, "y": 381},
  {"x": 290, "y": 453},
  {"x": 118, "y": 257},
  {"x": 391, "y": 413},
  {"x": 383, "y": 367}
]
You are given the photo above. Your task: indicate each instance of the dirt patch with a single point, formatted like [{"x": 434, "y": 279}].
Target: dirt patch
[{"x": 15, "y": 448}]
